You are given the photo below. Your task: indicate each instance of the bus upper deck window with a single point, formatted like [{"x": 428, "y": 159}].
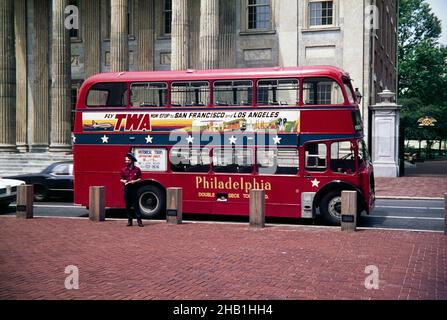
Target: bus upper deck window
[
  {"x": 233, "y": 93},
  {"x": 148, "y": 94},
  {"x": 190, "y": 94},
  {"x": 277, "y": 92},
  {"x": 322, "y": 91},
  {"x": 108, "y": 94}
]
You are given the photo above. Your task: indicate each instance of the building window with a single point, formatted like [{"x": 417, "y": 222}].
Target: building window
[
  {"x": 167, "y": 17},
  {"x": 321, "y": 13},
  {"x": 258, "y": 14}
]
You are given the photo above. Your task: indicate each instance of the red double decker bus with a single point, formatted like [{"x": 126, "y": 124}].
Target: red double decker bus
[{"x": 294, "y": 132}]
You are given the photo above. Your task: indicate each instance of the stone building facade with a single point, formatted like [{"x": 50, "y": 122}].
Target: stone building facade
[{"x": 43, "y": 63}]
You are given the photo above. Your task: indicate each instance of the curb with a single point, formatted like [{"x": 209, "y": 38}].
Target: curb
[{"x": 407, "y": 198}]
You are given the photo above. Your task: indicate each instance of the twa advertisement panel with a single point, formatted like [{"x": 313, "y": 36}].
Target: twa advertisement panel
[{"x": 281, "y": 121}]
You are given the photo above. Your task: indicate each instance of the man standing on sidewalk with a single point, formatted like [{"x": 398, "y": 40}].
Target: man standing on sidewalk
[{"x": 130, "y": 176}]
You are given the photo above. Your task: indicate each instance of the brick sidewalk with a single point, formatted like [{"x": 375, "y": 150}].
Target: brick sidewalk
[
  {"x": 215, "y": 261},
  {"x": 416, "y": 187}
]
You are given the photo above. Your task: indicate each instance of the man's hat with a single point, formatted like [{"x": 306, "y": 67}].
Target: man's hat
[{"x": 131, "y": 157}]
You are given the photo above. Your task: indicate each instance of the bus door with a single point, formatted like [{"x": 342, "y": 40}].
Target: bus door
[{"x": 315, "y": 171}]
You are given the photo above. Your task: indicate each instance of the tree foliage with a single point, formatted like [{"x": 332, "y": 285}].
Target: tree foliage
[{"x": 422, "y": 71}]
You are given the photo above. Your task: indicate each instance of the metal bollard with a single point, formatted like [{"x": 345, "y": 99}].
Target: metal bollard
[
  {"x": 97, "y": 201},
  {"x": 348, "y": 211},
  {"x": 25, "y": 198},
  {"x": 174, "y": 213},
  {"x": 257, "y": 208}
]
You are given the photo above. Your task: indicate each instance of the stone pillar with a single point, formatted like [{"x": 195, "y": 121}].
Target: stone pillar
[
  {"x": 385, "y": 136},
  {"x": 61, "y": 78},
  {"x": 209, "y": 34},
  {"x": 40, "y": 81},
  {"x": 194, "y": 33},
  {"x": 227, "y": 36},
  {"x": 7, "y": 78},
  {"x": 92, "y": 40},
  {"x": 119, "y": 36},
  {"x": 21, "y": 75},
  {"x": 145, "y": 34},
  {"x": 179, "y": 35}
]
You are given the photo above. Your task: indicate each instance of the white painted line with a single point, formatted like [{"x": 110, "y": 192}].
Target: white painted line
[
  {"x": 400, "y": 217},
  {"x": 396, "y": 229},
  {"x": 56, "y": 206},
  {"x": 400, "y": 207}
]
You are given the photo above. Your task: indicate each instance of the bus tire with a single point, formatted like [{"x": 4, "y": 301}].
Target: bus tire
[
  {"x": 330, "y": 207},
  {"x": 151, "y": 201}
]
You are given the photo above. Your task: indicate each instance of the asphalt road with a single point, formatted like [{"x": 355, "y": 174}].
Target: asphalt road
[{"x": 421, "y": 215}]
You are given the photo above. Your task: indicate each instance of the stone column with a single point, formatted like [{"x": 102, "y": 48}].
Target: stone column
[
  {"x": 385, "y": 136},
  {"x": 145, "y": 34},
  {"x": 92, "y": 40},
  {"x": 21, "y": 75},
  {"x": 7, "y": 78},
  {"x": 227, "y": 36},
  {"x": 209, "y": 34},
  {"x": 40, "y": 81},
  {"x": 179, "y": 35},
  {"x": 194, "y": 33},
  {"x": 119, "y": 42},
  {"x": 61, "y": 78}
]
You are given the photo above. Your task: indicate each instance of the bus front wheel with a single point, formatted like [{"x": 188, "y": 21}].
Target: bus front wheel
[
  {"x": 330, "y": 207},
  {"x": 151, "y": 201}
]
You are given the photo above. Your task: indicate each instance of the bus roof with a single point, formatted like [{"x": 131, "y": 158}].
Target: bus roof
[{"x": 215, "y": 74}]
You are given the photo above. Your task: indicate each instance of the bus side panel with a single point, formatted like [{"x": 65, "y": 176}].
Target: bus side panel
[{"x": 97, "y": 166}]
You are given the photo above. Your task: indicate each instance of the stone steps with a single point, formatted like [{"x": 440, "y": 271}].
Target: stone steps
[{"x": 20, "y": 163}]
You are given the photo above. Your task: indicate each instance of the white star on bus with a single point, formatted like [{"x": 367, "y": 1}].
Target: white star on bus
[
  {"x": 148, "y": 139},
  {"x": 105, "y": 139},
  {"x": 315, "y": 182},
  {"x": 233, "y": 140},
  {"x": 277, "y": 140},
  {"x": 73, "y": 139},
  {"x": 190, "y": 139}
]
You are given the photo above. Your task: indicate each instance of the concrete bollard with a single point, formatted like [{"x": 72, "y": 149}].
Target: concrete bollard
[
  {"x": 257, "y": 208},
  {"x": 174, "y": 206},
  {"x": 25, "y": 198},
  {"x": 348, "y": 211},
  {"x": 445, "y": 214},
  {"x": 97, "y": 202}
]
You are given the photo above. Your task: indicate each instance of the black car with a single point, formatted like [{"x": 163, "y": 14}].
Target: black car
[{"x": 55, "y": 180}]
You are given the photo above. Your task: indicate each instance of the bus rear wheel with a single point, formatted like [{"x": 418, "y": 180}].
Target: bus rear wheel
[
  {"x": 330, "y": 207},
  {"x": 151, "y": 201}
]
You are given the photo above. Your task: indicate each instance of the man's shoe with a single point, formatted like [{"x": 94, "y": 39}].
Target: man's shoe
[
  {"x": 140, "y": 223},
  {"x": 129, "y": 223}
]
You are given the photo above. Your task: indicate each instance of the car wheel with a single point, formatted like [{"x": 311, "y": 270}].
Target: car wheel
[
  {"x": 330, "y": 207},
  {"x": 151, "y": 201},
  {"x": 40, "y": 192}
]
